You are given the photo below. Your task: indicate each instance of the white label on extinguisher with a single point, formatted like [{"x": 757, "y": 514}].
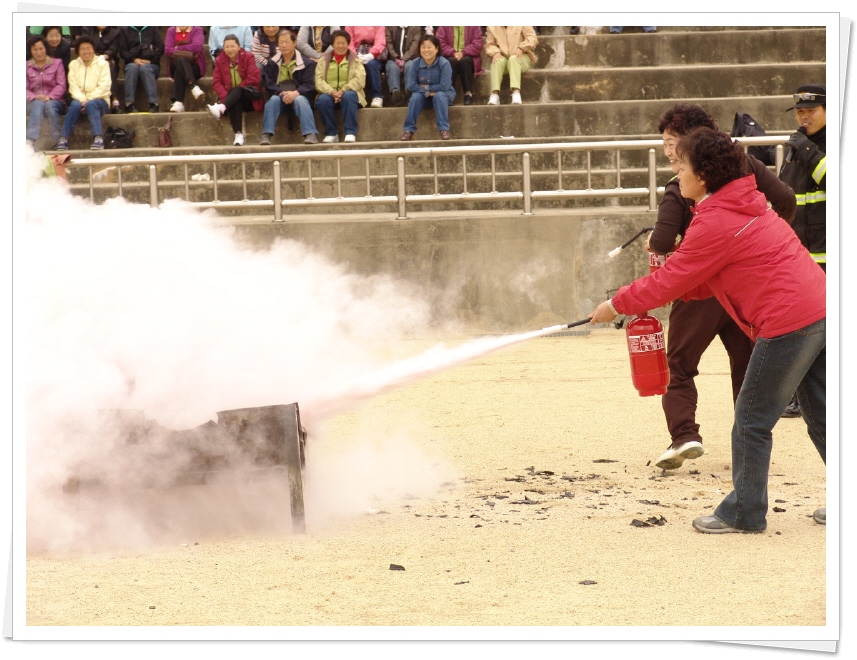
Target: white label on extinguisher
[
  {"x": 646, "y": 343},
  {"x": 657, "y": 260}
]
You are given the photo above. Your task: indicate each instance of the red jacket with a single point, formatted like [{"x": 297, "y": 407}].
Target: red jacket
[
  {"x": 745, "y": 255},
  {"x": 221, "y": 80}
]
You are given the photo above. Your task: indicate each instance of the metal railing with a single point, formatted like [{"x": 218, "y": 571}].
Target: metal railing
[{"x": 400, "y": 201}]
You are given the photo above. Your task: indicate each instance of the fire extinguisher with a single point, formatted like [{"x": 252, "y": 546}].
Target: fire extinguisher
[
  {"x": 657, "y": 260},
  {"x": 647, "y": 348}
]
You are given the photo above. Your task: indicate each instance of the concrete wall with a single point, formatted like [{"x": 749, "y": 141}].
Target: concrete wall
[{"x": 495, "y": 273}]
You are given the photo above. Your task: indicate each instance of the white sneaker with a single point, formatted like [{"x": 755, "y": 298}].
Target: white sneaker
[
  {"x": 215, "y": 110},
  {"x": 351, "y": 138},
  {"x": 516, "y": 98},
  {"x": 331, "y": 138},
  {"x": 673, "y": 457},
  {"x": 494, "y": 99},
  {"x": 178, "y": 106},
  {"x": 239, "y": 140},
  {"x": 196, "y": 91},
  {"x": 377, "y": 102}
]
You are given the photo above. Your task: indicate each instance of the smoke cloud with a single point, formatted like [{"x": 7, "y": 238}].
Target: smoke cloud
[{"x": 160, "y": 314}]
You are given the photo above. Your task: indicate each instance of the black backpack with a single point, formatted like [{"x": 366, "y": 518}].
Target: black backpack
[
  {"x": 745, "y": 126},
  {"x": 118, "y": 138}
]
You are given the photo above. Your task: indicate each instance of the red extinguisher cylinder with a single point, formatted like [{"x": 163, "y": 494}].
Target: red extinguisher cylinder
[
  {"x": 647, "y": 349},
  {"x": 658, "y": 260}
]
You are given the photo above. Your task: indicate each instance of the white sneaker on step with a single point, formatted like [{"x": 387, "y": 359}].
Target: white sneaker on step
[
  {"x": 351, "y": 138},
  {"x": 494, "y": 99},
  {"x": 239, "y": 140},
  {"x": 331, "y": 138},
  {"x": 377, "y": 102},
  {"x": 178, "y": 106},
  {"x": 214, "y": 108},
  {"x": 196, "y": 91},
  {"x": 516, "y": 98}
]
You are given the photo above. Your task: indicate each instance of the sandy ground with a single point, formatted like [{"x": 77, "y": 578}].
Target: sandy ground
[{"x": 506, "y": 488}]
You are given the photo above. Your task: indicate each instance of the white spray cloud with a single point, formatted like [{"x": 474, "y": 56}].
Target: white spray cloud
[{"x": 160, "y": 312}]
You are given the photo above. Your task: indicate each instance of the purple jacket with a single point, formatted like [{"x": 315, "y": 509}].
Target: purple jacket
[
  {"x": 195, "y": 46},
  {"x": 49, "y": 81},
  {"x": 472, "y": 44}
]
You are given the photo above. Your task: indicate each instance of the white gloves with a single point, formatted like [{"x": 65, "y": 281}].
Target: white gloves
[{"x": 368, "y": 57}]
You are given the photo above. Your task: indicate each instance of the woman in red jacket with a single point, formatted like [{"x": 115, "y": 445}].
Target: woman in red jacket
[
  {"x": 749, "y": 258},
  {"x": 236, "y": 80}
]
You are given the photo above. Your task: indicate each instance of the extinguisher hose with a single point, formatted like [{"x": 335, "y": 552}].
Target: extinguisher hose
[{"x": 617, "y": 250}]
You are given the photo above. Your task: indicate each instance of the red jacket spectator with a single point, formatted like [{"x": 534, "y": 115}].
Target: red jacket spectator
[
  {"x": 472, "y": 44},
  {"x": 221, "y": 79}
]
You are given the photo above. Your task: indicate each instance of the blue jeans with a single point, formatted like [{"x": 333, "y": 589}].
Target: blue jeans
[
  {"x": 149, "y": 74},
  {"x": 94, "y": 110},
  {"x": 417, "y": 102},
  {"x": 373, "y": 79},
  {"x": 302, "y": 108},
  {"x": 36, "y": 110},
  {"x": 779, "y": 367},
  {"x": 327, "y": 112},
  {"x": 394, "y": 76}
]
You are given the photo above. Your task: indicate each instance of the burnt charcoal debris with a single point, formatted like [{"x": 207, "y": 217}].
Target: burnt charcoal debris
[
  {"x": 396, "y": 567},
  {"x": 654, "y": 521},
  {"x": 778, "y": 509},
  {"x": 587, "y": 582},
  {"x": 604, "y": 460}
]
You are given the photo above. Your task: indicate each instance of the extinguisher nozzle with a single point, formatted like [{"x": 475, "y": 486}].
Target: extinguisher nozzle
[{"x": 614, "y": 252}]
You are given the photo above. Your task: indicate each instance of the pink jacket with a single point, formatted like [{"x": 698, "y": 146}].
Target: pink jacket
[
  {"x": 375, "y": 35},
  {"x": 472, "y": 44},
  {"x": 195, "y": 45},
  {"x": 50, "y": 81},
  {"x": 745, "y": 255}
]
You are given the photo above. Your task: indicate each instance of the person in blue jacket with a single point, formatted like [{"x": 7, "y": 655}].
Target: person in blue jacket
[{"x": 429, "y": 81}]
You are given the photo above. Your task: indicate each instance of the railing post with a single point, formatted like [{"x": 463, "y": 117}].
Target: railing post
[
  {"x": 778, "y": 158},
  {"x": 653, "y": 181},
  {"x": 528, "y": 197},
  {"x": 153, "y": 187},
  {"x": 400, "y": 178},
  {"x": 278, "y": 193}
]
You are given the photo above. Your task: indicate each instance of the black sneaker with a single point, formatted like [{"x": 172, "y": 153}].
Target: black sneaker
[
  {"x": 793, "y": 409},
  {"x": 130, "y": 108},
  {"x": 116, "y": 109},
  {"x": 395, "y": 97},
  {"x": 153, "y": 107}
]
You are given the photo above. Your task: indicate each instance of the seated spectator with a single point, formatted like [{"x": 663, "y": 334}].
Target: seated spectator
[
  {"x": 618, "y": 30},
  {"x": 403, "y": 48},
  {"x": 46, "y": 88},
  {"x": 59, "y": 46},
  {"x": 315, "y": 40},
  {"x": 183, "y": 45},
  {"x": 89, "y": 86},
  {"x": 462, "y": 47},
  {"x": 265, "y": 44},
  {"x": 290, "y": 80},
  {"x": 141, "y": 48},
  {"x": 106, "y": 42},
  {"x": 510, "y": 48},
  {"x": 217, "y": 33},
  {"x": 430, "y": 84},
  {"x": 370, "y": 44},
  {"x": 236, "y": 82},
  {"x": 339, "y": 81}
]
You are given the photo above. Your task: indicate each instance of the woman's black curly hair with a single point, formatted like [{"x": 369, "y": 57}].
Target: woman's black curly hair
[
  {"x": 682, "y": 118},
  {"x": 713, "y": 156}
]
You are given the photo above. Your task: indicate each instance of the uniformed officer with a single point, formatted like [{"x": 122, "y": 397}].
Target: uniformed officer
[{"x": 804, "y": 170}]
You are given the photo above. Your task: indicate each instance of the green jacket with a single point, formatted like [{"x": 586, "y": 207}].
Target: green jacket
[{"x": 354, "y": 80}]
